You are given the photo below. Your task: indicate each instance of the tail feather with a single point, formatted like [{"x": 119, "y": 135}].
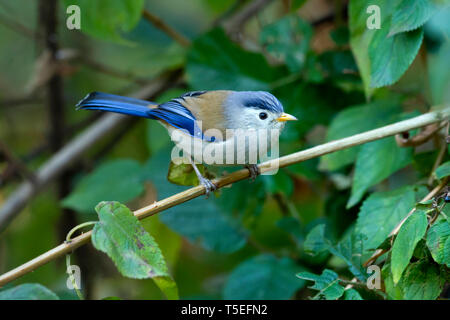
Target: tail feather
[{"x": 114, "y": 103}]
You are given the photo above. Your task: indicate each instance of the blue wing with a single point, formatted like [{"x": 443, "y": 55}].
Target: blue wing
[{"x": 172, "y": 112}]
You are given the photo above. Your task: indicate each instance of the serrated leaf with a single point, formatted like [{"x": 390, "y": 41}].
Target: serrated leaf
[
  {"x": 391, "y": 56},
  {"x": 133, "y": 250},
  {"x": 263, "y": 277},
  {"x": 288, "y": 40},
  {"x": 350, "y": 250},
  {"x": 119, "y": 180},
  {"x": 28, "y": 291},
  {"x": 327, "y": 284},
  {"x": 421, "y": 281},
  {"x": 409, "y": 235},
  {"x": 382, "y": 60},
  {"x": 355, "y": 120},
  {"x": 214, "y": 62},
  {"x": 410, "y": 15},
  {"x": 376, "y": 161},
  {"x": 108, "y": 19},
  {"x": 381, "y": 212},
  {"x": 438, "y": 242},
  {"x": 316, "y": 241}
]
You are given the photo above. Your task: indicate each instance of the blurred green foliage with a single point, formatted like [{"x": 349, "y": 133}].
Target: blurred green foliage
[{"x": 316, "y": 221}]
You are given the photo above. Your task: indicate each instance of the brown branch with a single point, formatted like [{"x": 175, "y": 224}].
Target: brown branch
[
  {"x": 318, "y": 151},
  {"x": 164, "y": 27}
]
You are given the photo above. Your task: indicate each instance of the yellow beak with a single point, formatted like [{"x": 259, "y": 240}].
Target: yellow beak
[{"x": 286, "y": 117}]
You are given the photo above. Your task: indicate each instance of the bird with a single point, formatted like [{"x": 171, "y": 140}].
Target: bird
[{"x": 205, "y": 123}]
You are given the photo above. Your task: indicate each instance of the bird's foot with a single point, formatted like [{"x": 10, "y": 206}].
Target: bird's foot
[
  {"x": 254, "y": 171},
  {"x": 208, "y": 184}
]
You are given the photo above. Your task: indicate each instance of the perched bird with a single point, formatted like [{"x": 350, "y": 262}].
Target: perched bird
[{"x": 206, "y": 122}]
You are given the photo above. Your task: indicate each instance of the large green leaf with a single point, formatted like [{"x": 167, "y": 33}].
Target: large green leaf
[
  {"x": 263, "y": 277},
  {"x": 288, "y": 40},
  {"x": 421, "y": 281},
  {"x": 381, "y": 59},
  {"x": 214, "y": 62},
  {"x": 108, "y": 19},
  {"x": 376, "y": 161},
  {"x": 327, "y": 284},
  {"x": 409, "y": 235},
  {"x": 438, "y": 241},
  {"x": 355, "y": 120},
  {"x": 411, "y": 14},
  {"x": 200, "y": 220},
  {"x": 381, "y": 212},
  {"x": 28, "y": 291},
  {"x": 119, "y": 180},
  {"x": 390, "y": 56},
  {"x": 133, "y": 250}
]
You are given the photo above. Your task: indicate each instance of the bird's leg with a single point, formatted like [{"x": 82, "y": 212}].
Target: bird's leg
[
  {"x": 254, "y": 171},
  {"x": 209, "y": 186}
]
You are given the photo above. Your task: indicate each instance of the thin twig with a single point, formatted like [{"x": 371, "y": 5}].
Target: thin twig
[
  {"x": 236, "y": 22},
  {"x": 438, "y": 161},
  {"x": 161, "y": 25},
  {"x": 239, "y": 175}
]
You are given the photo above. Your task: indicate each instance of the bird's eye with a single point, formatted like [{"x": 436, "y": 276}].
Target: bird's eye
[{"x": 263, "y": 115}]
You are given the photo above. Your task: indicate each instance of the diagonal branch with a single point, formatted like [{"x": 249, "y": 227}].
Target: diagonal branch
[{"x": 318, "y": 151}]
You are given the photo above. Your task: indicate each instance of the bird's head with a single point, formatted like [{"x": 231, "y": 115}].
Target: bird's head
[{"x": 255, "y": 110}]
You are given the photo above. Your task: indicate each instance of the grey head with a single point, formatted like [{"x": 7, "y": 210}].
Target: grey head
[{"x": 254, "y": 110}]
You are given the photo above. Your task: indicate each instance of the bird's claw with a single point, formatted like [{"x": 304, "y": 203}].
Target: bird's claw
[
  {"x": 254, "y": 171},
  {"x": 209, "y": 186}
]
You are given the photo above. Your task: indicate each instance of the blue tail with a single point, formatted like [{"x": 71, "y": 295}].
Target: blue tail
[{"x": 114, "y": 103}]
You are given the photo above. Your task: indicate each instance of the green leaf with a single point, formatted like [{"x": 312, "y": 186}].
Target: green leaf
[
  {"x": 133, "y": 250},
  {"x": 438, "y": 242},
  {"x": 376, "y": 161},
  {"x": 443, "y": 170},
  {"x": 381, "y": 212},
  {"x": 119, "y": 180},
  {"x": 355, "y": 120},
  {"x": 352, "y": 294},
  {"x": 316, "y": 241},
  {"x": 350, "y": 250},
  {"x": 382, "y": 60},
  {"x": 421, "y": 281},
  {"x": 108, "y": 19},
  {"x": 263, "y": 277},
  {"x": 288, "y": 40},
  {"x": 391, "y": 56},
  {"x": 409, "y": 235},
  {"x": 214, "y": 62},
  {"x": 327, "y": 284},
  {"x": 411, "y": 14},
  {"x": 28, "y": 291},
  {"x": 200, "y": 220}
]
